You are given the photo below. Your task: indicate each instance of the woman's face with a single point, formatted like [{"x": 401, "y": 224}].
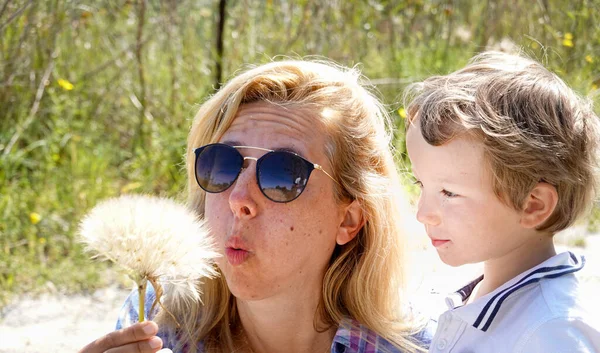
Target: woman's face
[{"x": 275, "y": 249}]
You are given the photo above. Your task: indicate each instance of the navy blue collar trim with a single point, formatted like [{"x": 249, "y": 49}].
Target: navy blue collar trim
[
  {"x": 465, "y": 292},
  {"x": 484, "y": 320}
]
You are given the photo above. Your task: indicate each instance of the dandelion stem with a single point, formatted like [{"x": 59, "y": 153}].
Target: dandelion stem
[{"x": 142, "y": 297}]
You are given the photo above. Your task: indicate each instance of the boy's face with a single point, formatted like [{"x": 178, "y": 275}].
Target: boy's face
[{"x": 465, "y": 220}]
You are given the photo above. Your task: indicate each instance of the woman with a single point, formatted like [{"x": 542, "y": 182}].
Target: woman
[{"x": 289, "y": 163}]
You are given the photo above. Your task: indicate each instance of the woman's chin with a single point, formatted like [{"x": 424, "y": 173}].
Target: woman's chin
[{"x": 245, "y": 289}]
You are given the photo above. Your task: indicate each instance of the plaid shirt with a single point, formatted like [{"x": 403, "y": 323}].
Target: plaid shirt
[{"x": 351, "y": 336}]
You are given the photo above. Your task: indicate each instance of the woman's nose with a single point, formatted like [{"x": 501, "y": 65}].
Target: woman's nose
[{"x": 244, "y": 193}]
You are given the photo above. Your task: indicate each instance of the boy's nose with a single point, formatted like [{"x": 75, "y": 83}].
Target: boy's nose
[{"x": 426, "y": 213}]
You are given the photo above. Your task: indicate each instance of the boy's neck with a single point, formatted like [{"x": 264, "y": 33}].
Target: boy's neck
[{"x": 500, "y": 270}]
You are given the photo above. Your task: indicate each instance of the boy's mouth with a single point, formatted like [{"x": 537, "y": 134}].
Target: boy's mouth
[{"x": 438, "y": 242}]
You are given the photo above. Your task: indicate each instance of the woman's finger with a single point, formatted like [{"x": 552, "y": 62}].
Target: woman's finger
[
  {"x": 148, "y": 346},
  {"x": 138, "y": 332}
]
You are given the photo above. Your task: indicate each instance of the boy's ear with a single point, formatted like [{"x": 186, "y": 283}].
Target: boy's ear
[
  {"x": 539, "y": 205},
  {"x": 351, "y": 224}
]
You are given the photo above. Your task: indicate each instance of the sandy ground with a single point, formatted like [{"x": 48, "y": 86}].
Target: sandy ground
[{"x": 58, "y": 323}]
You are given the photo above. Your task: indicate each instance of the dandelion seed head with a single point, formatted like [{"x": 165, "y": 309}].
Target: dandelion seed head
[{"x": 152, "y": 238}]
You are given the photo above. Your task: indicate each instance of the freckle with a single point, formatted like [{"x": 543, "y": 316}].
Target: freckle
[
  {"x": 320, "y": 231},
  {"x": 292, "y": 228}
]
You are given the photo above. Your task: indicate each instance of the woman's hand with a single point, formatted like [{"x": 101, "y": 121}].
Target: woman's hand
[{"x": 138, "y": 338}]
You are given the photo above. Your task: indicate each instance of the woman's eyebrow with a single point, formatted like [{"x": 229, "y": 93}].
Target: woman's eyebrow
[
  {"x": 231, "y": 143},
  {"x": 279, "y": 149},
  {"x": 288, "y": 149}
]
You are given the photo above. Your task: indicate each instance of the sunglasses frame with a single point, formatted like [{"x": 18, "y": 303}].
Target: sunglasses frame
[{"x": 311, "y": 166}]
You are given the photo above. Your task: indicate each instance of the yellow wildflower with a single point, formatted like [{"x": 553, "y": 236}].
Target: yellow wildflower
[
  {"x": 568, "y": 40},
  {"x": 594, "y": 87},
  {"x": 567, "y": 43},
  {"x": 35, "y": 218},
  {"x": 65, "y": 84},
  {"x": 402, "y": 113},
  {"x": 589, "y": 59}
]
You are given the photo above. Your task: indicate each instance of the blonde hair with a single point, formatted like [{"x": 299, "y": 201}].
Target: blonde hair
[
  {"x": 364, "y": 279},
  {"x": 532, "y": 125}
]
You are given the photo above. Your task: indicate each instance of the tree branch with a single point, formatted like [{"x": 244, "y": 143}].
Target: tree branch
[
  {"x": 220, "y": 40},
  {"x": 4, "y": 8},
  {"x": 34, "y": 108},
  {"x": 138, "y": 55},
  {"x": 15, "y": 15}
]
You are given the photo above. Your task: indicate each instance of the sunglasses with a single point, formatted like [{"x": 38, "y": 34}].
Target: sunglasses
[{"x": 281, "y": 175}]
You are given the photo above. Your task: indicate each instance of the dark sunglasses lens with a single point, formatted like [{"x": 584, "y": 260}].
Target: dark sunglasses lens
[
  {"x": 282, "y": 176},
  {"x": 217, "y": 167}
]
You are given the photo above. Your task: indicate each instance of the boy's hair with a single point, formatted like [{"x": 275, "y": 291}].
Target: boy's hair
[{"x": 532, "y": 125}]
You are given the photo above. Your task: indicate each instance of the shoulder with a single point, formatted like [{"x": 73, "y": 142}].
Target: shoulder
[
  {"x": 353, "y": 337},
  {"x": 564, "y": 296},
  {"x": 425, "y": 335},
  {"x": 129, "y": 315},
  {"x": 549, "y": 300},
  {"x": 561, "y": 334},
  {"x": 531, "y": 304},
  {"x": 563, "y": 321}
]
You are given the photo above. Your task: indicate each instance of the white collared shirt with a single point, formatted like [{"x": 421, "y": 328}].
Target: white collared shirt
[{"x": 540, "y": 310}]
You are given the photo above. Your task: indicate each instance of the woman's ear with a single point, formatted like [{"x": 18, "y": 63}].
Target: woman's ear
[
  {"x": 539, "y": 205},
  {"x": 352, "y": 223}
]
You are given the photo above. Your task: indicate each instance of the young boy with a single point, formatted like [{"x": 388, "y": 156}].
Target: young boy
[{"x": 506, "y": 156}]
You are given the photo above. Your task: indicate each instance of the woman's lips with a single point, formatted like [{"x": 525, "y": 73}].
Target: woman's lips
[
  {"x": 438, "y": 242},
  {"x": 236, "y": 257}
]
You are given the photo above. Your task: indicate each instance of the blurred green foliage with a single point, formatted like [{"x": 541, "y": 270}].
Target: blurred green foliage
[{"x": 96, "y": 97}]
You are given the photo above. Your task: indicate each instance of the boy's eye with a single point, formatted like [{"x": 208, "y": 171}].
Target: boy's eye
[
  {"x": 418, "y": 183},
  {"x": 448, "y": 193}
]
